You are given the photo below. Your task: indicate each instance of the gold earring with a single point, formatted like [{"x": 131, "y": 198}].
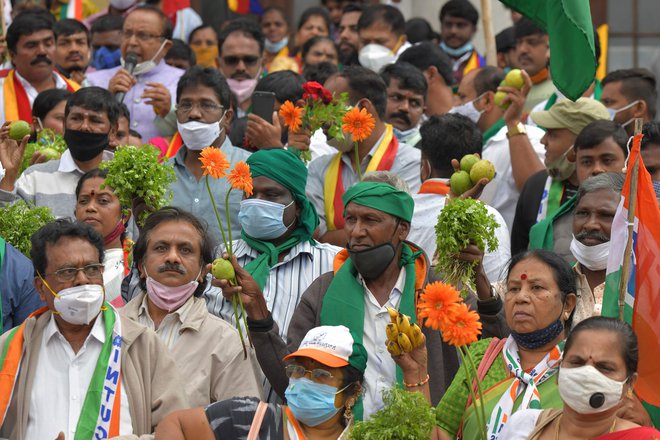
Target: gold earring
[{"x": 348, "y": 411}]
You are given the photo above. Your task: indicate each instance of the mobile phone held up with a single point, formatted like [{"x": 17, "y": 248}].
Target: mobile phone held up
[{"x": 263, "y": 105}]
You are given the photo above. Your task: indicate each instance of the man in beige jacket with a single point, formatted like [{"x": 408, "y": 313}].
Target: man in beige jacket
[
  {"x": 75, "y": 368},
  {"x": 172, "y": 255}
]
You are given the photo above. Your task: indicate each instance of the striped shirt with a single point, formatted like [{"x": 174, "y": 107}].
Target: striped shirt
[
  {"x": 51, "y": 184},
  {"x": 170, "y": 327},
  {"x": 286, "y": 283}
]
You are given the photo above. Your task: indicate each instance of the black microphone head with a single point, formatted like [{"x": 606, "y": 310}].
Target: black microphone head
[{"x": 130, "y": 62}]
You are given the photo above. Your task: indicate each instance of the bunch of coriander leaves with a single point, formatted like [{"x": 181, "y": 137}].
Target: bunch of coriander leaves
[
  {"x": 135, "y": 173},
  {"x": 19, "y": 221},
  {"x": 462, "y": 222},
  {"x": 49, "y": 143},
  {"x": 406, "y": 416}
]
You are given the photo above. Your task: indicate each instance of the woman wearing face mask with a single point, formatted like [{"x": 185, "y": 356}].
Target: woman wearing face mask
[
  {"x": 597, "y": 373},
  {"x": 275, "y": 28},
  {"x": 326, "y": 374},
  {"x": 100, "y": 208},
  {"x": 204, "y": 42},
  {"x": 538, "y": 301}
]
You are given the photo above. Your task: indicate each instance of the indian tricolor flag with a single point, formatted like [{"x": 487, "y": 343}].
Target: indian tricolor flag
[
  {"x": 72, "y": 9},
  {"x": 642, "y": 285}
]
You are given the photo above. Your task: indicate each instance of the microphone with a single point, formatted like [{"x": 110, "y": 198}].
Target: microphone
[{"x": 129, "y": 64}]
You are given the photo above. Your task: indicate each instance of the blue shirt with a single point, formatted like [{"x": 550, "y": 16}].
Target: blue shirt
[
  {"x": 19, "y": 297},
  {"x": 190, "y": 194}
]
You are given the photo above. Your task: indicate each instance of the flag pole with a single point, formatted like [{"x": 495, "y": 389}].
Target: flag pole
[
  {"x": 489, "y": 36},
  {"x": 632, "y": 203}
]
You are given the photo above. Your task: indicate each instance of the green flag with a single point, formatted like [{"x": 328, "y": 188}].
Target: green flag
[{"x": 572, "y": 52}]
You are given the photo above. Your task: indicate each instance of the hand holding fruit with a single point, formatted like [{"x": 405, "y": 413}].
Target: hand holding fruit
[
  {"x": 407, "y": 345},
  {"x": 14, "y": 137},
  {"x": 512, "y": 93},
  {"x": 474, "y": 173},
  {"x": 223, "y": 270}
]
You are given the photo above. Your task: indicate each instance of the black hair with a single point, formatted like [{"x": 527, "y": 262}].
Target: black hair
[
  {"x": 383, "y": 13},
  {"x": 409, "y": 76},
  {"x": 427, "y": 54},
  {"x": 419, "y": 29},
  {"x": 181, "y": 51},
  {"x": 651, "y": 132},
  {"x": 206, "y": 76},
  {"x": 96, "y": 172},
  {"x": 278, "y": 10},
  {"x": 167, "y": 29},
  {"x": 365, "y": 83},
  {"x": 460, "y": 9},
  {"x": 505, "y": 40},
  {"x": 68, "y": 27},
  {"x": 315, "y": 40},
  {"x": 563, "y": 274},
  {"x": 28, "y": 23},
  {"x": 526, "y": 27},
  {"x": 315, "y": 11},
  {"x": 487, "y": 79},
  {"x": 47, "y": 100},
  {"x": 243, "y": 25},
  {"x": 174, "y": 214},
  {"x": 352, "y": 7},
  {"x": 50, "y": 233},
  {"x": 319, "y": 72},
  {"x": 200, "y": 28},
  {"x": 627, "y": 338},
  {"x": 124, "y": 112},
  {"x": 134, "y": 133},
  {"x": 637, "y": 83},
  {"x": 107, "y": 23},
  {"x": 96, "y": 99},
  {"x": 597, "y": 131},
  {"x": 286, "y": 85},
  {"x": 445, "y": 137},
  {"x": 353, "y": 379}
]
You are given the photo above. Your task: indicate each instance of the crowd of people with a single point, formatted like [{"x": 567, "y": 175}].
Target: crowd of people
[{"x": 114, "y": 329}]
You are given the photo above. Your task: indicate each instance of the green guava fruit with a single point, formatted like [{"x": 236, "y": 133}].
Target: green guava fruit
[
  {"x": 222, "y": 269},
  {"x": 460, "y": 182},
  {"x": 18, "y": 130},
  {"x": 515, "y": 79},
  {"x": 481, "y": 169},
  {"x": 468, "y": 161}
]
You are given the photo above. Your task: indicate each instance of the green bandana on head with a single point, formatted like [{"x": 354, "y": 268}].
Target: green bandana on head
[
  {"x": 381, "y": 196},
  {"x": 285, "y": 168}
]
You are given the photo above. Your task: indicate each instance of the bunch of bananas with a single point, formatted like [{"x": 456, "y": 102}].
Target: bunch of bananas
[{"x": 402, "y": 336}]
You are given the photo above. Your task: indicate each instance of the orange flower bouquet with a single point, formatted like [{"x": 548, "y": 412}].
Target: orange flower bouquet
[
  {"x": 215, "y": 165},
  {"x": 442, "y": 308},
  {"x": 321, "y": 109}
]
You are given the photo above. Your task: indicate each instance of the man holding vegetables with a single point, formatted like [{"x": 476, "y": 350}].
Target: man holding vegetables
[{"x": 90, "y": 122}]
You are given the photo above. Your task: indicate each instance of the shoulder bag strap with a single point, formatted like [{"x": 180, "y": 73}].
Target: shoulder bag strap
[{"x": 256, "y": 422}]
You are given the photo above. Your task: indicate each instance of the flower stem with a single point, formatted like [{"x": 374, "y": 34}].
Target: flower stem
[
  {"x": 231, "y": 243},
  {"x": 479, "y": 389},
  {"x": 357, "y": 162},
  {"x": 477, "y": 411},
  {"x": 236, "y": 298},
  {"x": 215, "y": 209}
]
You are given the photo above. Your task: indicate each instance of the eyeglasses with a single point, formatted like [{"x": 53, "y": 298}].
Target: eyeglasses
[
  {"x": 249, "y": 60},
  {"x": 142, "y": 36},
  {"x": 317, "y": 374},
  {"x": 206, "y": 107},
  {"x": 94, "y": 270}
]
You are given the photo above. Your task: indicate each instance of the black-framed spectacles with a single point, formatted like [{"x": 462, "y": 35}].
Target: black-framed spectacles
[{"x": 94, "y": 270}]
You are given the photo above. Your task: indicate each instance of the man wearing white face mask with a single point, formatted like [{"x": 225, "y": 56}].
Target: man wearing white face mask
[
  {"x": 83, "y": 369},
  {"x": 149, "y": 89},
  {"x": 172, "y": 254},
  {"x": 382, "y": 31},
  {"x": 597, "y": 201},
  {"x": 203, "y": 115},
  {"x": 630, "y": 94}
]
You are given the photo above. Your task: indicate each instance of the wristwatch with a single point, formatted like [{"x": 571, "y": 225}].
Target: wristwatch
[{"x": 519, "y": 128}]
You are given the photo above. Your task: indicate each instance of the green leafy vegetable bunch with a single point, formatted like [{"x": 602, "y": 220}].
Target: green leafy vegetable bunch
[{"x": 19, "y": 221}]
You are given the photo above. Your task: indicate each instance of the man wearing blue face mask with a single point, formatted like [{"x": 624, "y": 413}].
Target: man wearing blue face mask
[
  {"x": 106, "y": 42},
  {"x": 458, "y": 24},
  {"x": 630, "y": 94},
  {"x": 276, "y": 245}
]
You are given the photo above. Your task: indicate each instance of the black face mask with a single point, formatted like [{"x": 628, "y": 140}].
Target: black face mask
[
  {"x": 541, "y": 337},
  {"x": 85, "y": 146},
  {"x": 373, "y": 261}
]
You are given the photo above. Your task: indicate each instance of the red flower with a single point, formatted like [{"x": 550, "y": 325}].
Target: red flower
[{"x": 316, "y": 91}]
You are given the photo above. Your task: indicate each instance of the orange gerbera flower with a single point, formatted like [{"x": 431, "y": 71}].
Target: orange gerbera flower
[
  {"x": 463, "y": 328},
  {"x": 438, "y": 303},
  {"x": 214, "y": 162},
  {"x": 240, "y": 178},
  {"x": 359, "y": 123},
  {"x": 292, "y": 116}
]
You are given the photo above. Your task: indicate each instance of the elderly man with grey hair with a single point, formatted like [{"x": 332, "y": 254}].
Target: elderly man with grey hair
[{"x": 597, "y": 200}]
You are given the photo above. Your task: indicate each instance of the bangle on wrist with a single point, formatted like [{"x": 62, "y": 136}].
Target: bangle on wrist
[{"x": 418, "y": 384}]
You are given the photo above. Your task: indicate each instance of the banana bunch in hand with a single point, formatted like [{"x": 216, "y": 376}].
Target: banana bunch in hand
[{"x": 402, "y": 336}]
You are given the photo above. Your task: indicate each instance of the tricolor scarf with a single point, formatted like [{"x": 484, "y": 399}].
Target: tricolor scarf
[
  {"x": 343, "y": 303},
  {"x": 100, "y": 413},
  {"x": 541, "y": 235},
  {"x": 551, "y": 198},
  {"x": 293, "y": 431},
  {"x": 524, "y": 382},
  {"x": 333, "y": 187},
  {"x": 17, "y": 103}
]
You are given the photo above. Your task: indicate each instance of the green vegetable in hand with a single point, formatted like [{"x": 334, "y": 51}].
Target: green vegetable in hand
[
  {"x": 135, "y": 173},
  {"x": 462, "y": 222},
  {"x": 406, "y": 416},
  {"x": 48, "y": 143},
  {"x": 222, "y": 269},
  {"x": 18, "y": 130},
  {"x": 19, "y": 221}
]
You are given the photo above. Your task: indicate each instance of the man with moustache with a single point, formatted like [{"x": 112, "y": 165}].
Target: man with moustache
[
  {"x": 406, "y": 95},
  {"x": 31, "y": 44},
  {"x": 348, "y": 38},
  {"x": 72, "y": 49}
]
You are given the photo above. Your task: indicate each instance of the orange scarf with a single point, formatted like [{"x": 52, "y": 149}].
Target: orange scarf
[
  {"x": 333, "y": 187},
  {"x": 541, "y": 76},
  {"x": 17, "y": 103},
  {"x": 434, "y": 187}
]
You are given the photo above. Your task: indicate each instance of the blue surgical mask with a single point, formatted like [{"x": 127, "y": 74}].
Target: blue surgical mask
[
  {"x": 311, "y": 403},
  {"x": 614, "y": 111},
  {"x": 263, "y": 219},
  {"x": 105, "y": 58},
  {"x": 402, "y": 134},
  {"x": 275, "y": 47},
  {"x": 456, "y": 52}
]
